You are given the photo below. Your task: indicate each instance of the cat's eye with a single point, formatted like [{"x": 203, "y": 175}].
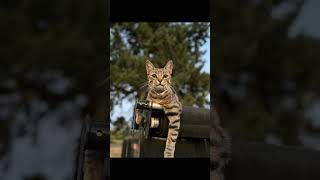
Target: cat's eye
[
  {"x": 154, "y": 75},
  {"x": 165, "y": 76}
]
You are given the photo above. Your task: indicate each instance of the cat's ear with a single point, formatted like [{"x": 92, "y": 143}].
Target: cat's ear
[
  {"x": 149, "y": 66},
  {"x": 169, "y": 66}
]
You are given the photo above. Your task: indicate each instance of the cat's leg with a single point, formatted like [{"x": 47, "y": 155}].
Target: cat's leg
[
  {"x": 173, "y": 131},
  {"x": 139, "y": 118}
]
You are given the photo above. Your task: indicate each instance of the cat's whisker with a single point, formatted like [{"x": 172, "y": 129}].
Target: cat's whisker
[
  {"x": 144, "y": 85},
  {"x": 173, "y": 89}
]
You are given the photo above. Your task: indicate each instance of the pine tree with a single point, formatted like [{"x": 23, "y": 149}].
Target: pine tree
[{"x": 132, "y": 43}]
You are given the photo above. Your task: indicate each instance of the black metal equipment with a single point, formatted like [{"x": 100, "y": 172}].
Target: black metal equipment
[
  {"x": 154, "y": 120},
  {"x": 193, "y": 138},
  {"x": 94, "y": 144},
  {"x": 195, "y": 122}
]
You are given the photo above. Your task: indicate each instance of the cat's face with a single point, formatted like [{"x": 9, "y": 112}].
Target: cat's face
[{"x": 159, "y": 79}]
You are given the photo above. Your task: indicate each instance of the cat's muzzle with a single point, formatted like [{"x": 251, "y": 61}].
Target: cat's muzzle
[{"x": 159, "y": 89}]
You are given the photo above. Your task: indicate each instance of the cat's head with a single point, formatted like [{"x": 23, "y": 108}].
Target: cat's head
[{"x": 159, "y": 79}]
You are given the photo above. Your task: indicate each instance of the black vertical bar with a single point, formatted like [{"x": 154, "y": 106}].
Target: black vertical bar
[
  {"x": 82, "y": 143},
  {"x": 107, "y": 158}
]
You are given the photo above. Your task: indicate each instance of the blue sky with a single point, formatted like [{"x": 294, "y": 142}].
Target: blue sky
[
  {"x": 126, "y": 108},
  {"x": 206, "y": 56}
]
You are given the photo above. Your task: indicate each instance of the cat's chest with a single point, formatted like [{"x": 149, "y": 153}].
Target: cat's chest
[
  {"x": 160, "y": 98},
  {"x": 168, "y": 102},
  {"x": 155, "y": 98}
]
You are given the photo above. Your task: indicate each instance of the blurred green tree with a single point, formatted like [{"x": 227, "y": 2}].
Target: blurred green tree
[
  {"x": 132, "y": 43},
  {"x": 44, "y": 46},
  {"x": 119, "y": 130}
]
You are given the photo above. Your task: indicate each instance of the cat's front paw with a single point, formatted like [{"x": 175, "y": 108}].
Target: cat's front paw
[
  {"x": 168, "y": 155},
  {"x": 138, "y": 118}
]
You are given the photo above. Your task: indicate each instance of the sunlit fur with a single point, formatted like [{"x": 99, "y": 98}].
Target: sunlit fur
[
  {"x": 158, "y": 78},
  {"x": 159, "y": 82}
]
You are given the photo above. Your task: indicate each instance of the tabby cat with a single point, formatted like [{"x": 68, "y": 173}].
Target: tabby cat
[{"x": 161, "y": 91}]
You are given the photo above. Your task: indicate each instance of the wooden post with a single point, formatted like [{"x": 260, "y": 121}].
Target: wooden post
[
  {"x": 93, "y": 168},
  {"x": 93, "y": 152}
]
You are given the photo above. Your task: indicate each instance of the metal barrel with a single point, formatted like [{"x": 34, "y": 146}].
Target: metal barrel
[
  {"x": 195, "y": 116},
  {"x": 194, "y": 123}
]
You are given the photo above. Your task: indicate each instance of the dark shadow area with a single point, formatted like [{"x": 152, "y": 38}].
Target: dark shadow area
[
  {"x": 266, "y": 86},
  {"x": 53, "y": 72},
  {"x": 265, "y": 161},
  {"x": 266, "y": 73}
]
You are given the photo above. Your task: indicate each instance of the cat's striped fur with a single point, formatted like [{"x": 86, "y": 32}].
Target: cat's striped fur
[{"x": 161, "y": 92}]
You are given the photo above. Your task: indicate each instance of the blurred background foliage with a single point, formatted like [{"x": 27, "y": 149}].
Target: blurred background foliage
[
  {"x": 266, "y": 80},
  {"x": 132, "y": 43},
  {"x": 53, "y": 72},
  {"x": 56, "y": 35}
]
